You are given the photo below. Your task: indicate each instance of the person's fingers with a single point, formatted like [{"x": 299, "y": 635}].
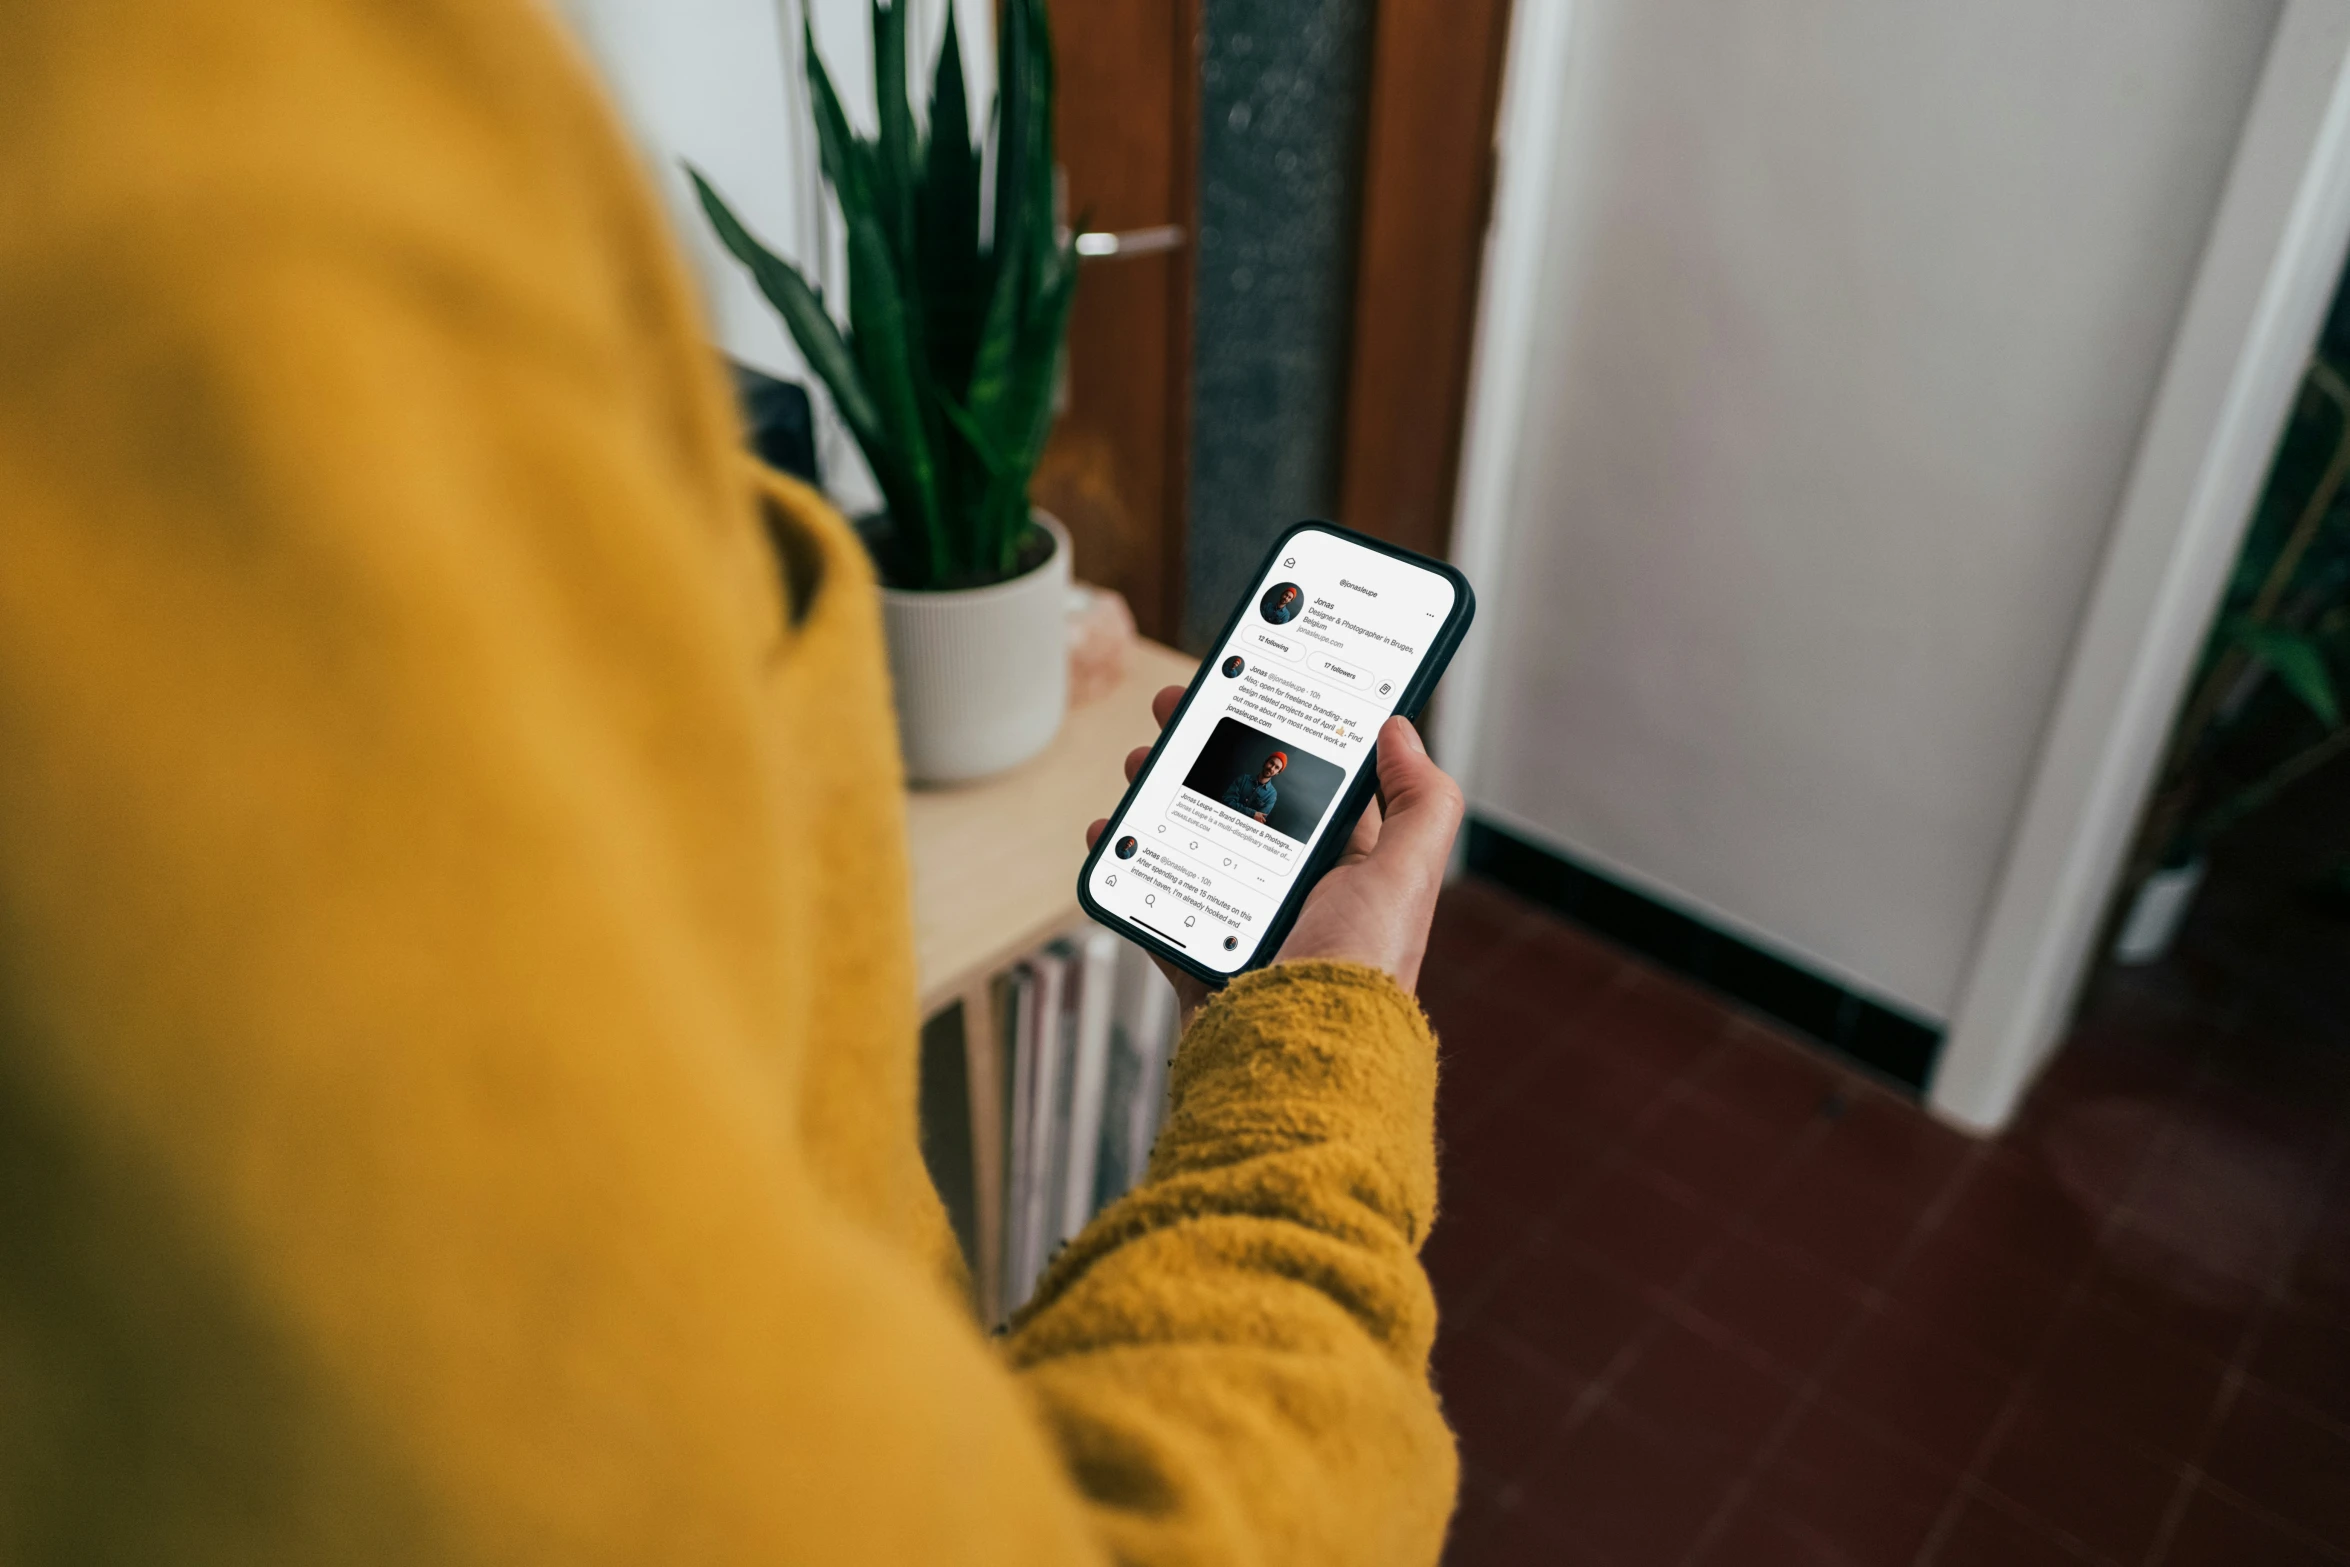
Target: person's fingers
[
  {"x": 1134, "y": 760},
  {"x": 1093, "y": 834},
  {"x": 1163, "y": 705},
  {"x": 1423, "y": 803},
  {"x": 1190, "y": 994},
  {"x": 1365, "y": 837}
]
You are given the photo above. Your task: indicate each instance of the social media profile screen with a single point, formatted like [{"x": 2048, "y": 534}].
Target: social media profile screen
[{"x": 1245, "y": 786}]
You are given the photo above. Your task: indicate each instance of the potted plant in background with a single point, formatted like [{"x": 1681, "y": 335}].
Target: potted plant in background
[
  {"x": 2265, "y": 709},
  {"x": 946, "y": 378}
]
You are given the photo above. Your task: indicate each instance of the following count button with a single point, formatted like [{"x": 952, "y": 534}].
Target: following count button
[{"x": 1280, "y": 646}]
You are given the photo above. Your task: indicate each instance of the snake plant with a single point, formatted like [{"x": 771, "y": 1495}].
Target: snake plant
[
  {"x": 947, "y": 372},
  {"x": 2286, "y": 617}
]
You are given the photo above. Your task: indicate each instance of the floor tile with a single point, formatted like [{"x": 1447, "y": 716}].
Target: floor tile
[
  {"x": 1502, "y": 1399},
  {"x": 1562, "y": 971},
  {"x": 1663, "y": 1023},
  {"x": 1838, "y": 1482},
  {"x": 1476, "y": 923},
  {"x": 1601, "y": 1122},
  {"x": 1791, "y": 1309},
  {"x": 1623, "y": 1489},
  {"x": 1652, "y": 1236},
  {"x": 1704, "y": 1398},
  {"x": 2141, "y": 1277},
  {"x": 2216, "y": 1532},
  {"x": 1922, "y": 1388},
  {"x": 1476, "y": 1238},
  {"x": 1761, "y": 1533},
  {"x": 1487, "y": 1047},
  {"x": 2083, "y": 1480},
  {"x": 1988, "y": 1535},
  {"x": 2148, "y": 1386},
  {"x": 2013, "y": 1209},
  {"x": 1476, "y": 1515},
  {"x": 1722, "y": 1159},
  {"x": 1591, "y": 1089},
  {"x": 1991, "y": 1304},
  {"x": 2281, "y": 1064},
  {"x": 2224, "y": 1205},
  {"x": 2096, "y": 1149},
  {"x": 2304, "y": 1354},
  {"x": 1886, "y": 1148},
  {"x": 1560, "y": 1303},
  {"x": 1518, "y": 1158},
  {"x": 1518, "y": 1536},
  {"x": 2287, "y": 1461},
  {"x": 2322, "y": 1272},
  {"x": 1821, "y": 1211},
  {"x": 1777, "y": 1084}
]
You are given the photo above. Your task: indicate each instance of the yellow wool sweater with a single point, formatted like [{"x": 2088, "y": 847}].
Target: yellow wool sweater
[{"x": 456, "y": 1023}]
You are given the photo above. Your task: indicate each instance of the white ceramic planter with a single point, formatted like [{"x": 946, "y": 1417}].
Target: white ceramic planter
[
  {"x": 2157, "y": 913},
  {"x": 981, "y": 674}
]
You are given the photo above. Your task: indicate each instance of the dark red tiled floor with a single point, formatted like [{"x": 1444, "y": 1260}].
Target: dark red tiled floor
[{"x": 1709, "y": 1298}]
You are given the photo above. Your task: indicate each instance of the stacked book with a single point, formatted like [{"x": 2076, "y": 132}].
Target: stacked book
[{"x": 1088, "y": 1025}]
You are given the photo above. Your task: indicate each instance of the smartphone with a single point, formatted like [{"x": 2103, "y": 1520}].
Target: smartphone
[{"x": 1258, "y": 779}]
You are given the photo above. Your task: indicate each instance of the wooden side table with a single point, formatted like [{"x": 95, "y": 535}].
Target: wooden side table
[{"x": 995, "y": 876}]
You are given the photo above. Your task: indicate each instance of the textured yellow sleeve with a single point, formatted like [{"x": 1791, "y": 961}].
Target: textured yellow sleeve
[
  {"x": 445, "y": 1114},
  {"x": 1234, "y": 1358}
]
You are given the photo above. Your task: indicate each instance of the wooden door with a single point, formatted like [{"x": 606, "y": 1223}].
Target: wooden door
[
  {"x": 1128, "y": 85},
  {"x": 1427, "y": 195}
]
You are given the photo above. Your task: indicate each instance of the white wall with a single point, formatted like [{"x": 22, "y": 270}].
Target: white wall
[
  {"x": 1848, "y": 321},
  {"x": 718, "y": 83}
]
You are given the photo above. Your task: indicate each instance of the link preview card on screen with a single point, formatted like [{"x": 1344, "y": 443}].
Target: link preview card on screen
[{"x": 1227, "y": 817}]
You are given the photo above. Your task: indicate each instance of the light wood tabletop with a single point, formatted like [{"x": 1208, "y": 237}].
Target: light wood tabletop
[{"x": 995, "y": 862}]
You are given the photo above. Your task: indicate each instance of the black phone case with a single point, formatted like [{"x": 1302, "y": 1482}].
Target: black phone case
[{"x": 1350, "y": 805}]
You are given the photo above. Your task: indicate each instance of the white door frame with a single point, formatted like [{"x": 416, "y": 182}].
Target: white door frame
[
  {"x": 2269, "y": 267},
  {"x": 1526, "y": 136}
]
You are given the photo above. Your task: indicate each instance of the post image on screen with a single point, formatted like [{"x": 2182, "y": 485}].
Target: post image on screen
[{"x": 1219, "y": 826}]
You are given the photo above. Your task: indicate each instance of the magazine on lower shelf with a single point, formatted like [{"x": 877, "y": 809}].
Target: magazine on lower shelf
[{"x": 1089, "y": 1025}]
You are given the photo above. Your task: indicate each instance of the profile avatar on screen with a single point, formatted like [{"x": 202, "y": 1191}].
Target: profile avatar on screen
[
  {"x": 1256, "y": 796},
  {"x": 1126, "y": 848},
  {"x": 1281, "y": 603},
  {"x": 1233, "y": 666}
]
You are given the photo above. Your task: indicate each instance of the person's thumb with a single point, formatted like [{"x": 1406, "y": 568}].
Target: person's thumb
[{"x": 1421, "y": 805}]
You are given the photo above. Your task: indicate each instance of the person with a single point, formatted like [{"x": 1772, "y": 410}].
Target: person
[
  {"x": 458, "y": 1077},
  {"x": 1281, "y": 603},
  {"x": 1256, "y": 796}
]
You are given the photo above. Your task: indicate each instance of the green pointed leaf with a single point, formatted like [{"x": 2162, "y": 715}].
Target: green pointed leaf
[
  {"x": 846, "y": 160},
  {"x": 2297, "y": 660},
  {"x": 878, "y": 315},
  {"x": 947, "y": 368},
  {"x": 896, "y": 158},
  {"x": 999, "y": 339},
  {"x": 803, "y": 315},
  {"x": 954, "y": 285}
]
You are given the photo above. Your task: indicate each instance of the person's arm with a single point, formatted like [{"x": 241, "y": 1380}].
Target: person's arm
[{"x": 404, "y": 992}]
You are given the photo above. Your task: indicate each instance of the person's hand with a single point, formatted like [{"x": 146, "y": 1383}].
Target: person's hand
[
  {"x": 1375, "y": 904},
  {"x": 1260, "y": 815}
]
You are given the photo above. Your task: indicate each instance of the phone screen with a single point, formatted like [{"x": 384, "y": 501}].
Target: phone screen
[{"x": 1280, "y": 722}]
